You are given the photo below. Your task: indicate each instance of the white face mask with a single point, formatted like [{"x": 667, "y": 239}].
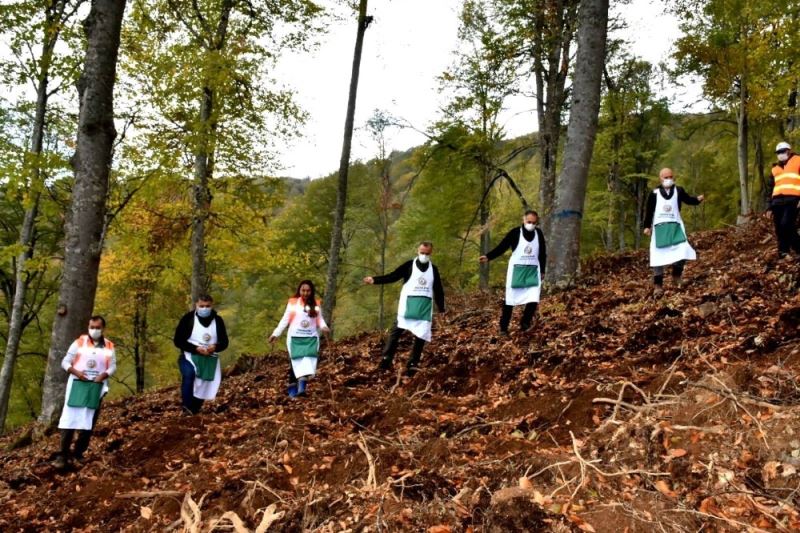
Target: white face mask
[
  {"x": 529, "y": 226},
  {"x": 667, "y": 183},
  {"x": 783, "y": 157},
  {"x": 95, "y": 333},
  {"x": 424, "y": 258}
]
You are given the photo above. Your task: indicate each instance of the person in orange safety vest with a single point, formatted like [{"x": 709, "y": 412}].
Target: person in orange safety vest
[{"x": 785, "y": 199}]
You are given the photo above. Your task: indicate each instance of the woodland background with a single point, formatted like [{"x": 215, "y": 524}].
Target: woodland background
[{"x": 264, "y": 232}]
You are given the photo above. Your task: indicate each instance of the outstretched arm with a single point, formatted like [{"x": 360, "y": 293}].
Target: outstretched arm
[
  {"x": 281, "y": 325},
  {"x": 403, "y": 272},
  {"x": 686, "y": 198},
  {"x": 509, "y": 241}
]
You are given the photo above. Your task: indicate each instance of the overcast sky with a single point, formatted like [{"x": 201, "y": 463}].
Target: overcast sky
[{"x": 405, "y": 49}]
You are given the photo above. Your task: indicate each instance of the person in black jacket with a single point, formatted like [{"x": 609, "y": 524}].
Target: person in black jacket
[
  {"x": 200, "y": 336},
  {"x": 664, "y": 224},
  {"x": 421, "y": 287},
  {"x": 526, "y": 269}
]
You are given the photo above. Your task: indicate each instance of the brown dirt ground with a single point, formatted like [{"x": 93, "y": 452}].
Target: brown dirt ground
[{"x": 717, "y": 447}]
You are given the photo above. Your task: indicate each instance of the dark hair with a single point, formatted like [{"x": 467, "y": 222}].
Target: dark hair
[
  {"x": 204, "y": 297},
  {"x": 531, "y": 212},
  {"x": 94, "y": 318},
  {"x": 427, "y": 244},
  {"x": 311, "y": 302}
]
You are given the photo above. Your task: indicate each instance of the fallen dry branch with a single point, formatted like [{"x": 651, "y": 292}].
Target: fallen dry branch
[
  {"x": 370, "y": 483},
  {"x": 149, "y": 494}
]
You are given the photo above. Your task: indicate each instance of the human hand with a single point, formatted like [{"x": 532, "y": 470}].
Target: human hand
[
  {"x": 101, "y": 378},
  {"x": 483, "y": 259},
  {"x": 768, "y": 213},
  {"x": 369, "y": 280},
  {"x": 272, "y": 339},
  {"x": 326, "y": 331},
  {"x": 701, "y": 198},
  {"x": 647, "y": 231}
]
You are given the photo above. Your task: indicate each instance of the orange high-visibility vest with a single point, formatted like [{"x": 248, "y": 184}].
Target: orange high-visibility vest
[{"x": 787, "y": 178}]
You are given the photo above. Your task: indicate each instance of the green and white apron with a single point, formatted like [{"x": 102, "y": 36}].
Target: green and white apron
[
  {"x": 302, "y": 339},
  {"x": 668, "y": 243},
  {"x": 208, "y": 373},
  {"x": 82, "y": 398},
  {"x": 523, "y": 278},
  {"x": 415, "y": 309}
]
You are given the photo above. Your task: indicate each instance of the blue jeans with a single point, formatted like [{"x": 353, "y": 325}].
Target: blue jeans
[{"x": 187, "y": 386}]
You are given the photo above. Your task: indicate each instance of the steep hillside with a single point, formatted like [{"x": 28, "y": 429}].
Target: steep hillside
[{"x": 617, "y": 413}]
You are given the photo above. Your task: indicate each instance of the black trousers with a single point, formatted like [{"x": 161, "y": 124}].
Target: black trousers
[
  {"x": 785, "y": 218},
  {"x": 82, "y": 443},
  {"x": 391, "y": 346},
  {"x": 527, "y": 316},
  {"x": 677, "y": 271}
]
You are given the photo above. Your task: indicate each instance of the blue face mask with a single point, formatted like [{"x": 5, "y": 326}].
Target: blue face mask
[{"x": 204, "y": 312}]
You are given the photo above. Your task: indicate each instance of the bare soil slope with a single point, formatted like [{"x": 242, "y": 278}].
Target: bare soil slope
[{"x": 618, "y": 412}]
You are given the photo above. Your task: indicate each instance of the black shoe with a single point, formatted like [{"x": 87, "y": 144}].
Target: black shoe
[
  {"x": 386, "y": 364},
  {"x": 411, "y": 370}
]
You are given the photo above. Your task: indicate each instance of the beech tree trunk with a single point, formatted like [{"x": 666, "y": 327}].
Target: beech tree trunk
[
  {"x": 555, "y": 24},
  {"x": 581, "y": 131},
  {"x": 91, "y": 162}
]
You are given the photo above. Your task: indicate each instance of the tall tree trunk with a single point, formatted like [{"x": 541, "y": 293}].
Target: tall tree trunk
[
  {"x": 761, "y": 198},
  {"x": 204, "y": 167},
  {"x": 617, "y": 207},
  {"x": 621, "y": 221},
  {"x": 581, "y": 132},
  {"x": 51, "y": 33},
  {"x": 329, "y": 303},
  {"x": 92, "y": 162},
  {"x": 608, "y": 237},
  {"x": 386, "y": 192},
  {"x": 382, "y": 293},
  {"x": 641, "y": 196},
  {"x": 549, "y": 133},
  {"x": 140, "y": 334},
  {"x": 485, "y": 242},
  {"x": 553, "y": 18},
  {"x": 15, "y": 326},
  {"x": 741, "y": 145},
  {"x": 201, "y": 198}
]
